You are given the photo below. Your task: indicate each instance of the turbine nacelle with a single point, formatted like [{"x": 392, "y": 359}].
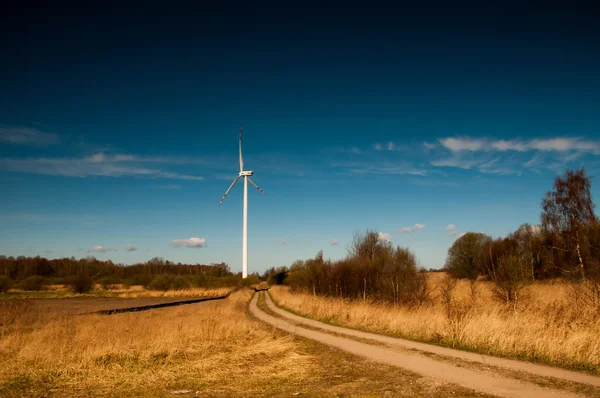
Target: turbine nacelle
[{"x": 246, "y": 173}]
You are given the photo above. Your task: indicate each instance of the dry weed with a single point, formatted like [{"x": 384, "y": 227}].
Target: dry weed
[{"x": 211, "y": 345}]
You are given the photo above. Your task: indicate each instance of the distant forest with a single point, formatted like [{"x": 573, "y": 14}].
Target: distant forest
[{"x": 20, "y": 268}]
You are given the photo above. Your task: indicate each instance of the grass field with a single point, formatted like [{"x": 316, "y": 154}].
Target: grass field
[
  {"x": 215, "y": 348},
  {"x": 545, "y": 327},
  {"x": 61, "y": 291}
]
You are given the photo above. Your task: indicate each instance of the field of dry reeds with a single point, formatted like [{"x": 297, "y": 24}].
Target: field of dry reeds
[
  {"x": 62, "y": 291},
  {"x": 214, "y": 347},
  {"x": 546, "y": 326}
]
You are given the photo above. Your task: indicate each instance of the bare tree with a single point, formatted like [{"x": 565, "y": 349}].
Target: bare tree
[{"x": 567, "y": 211}]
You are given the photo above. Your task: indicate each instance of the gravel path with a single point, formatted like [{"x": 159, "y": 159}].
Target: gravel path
[{"x": 391, "y": 354}]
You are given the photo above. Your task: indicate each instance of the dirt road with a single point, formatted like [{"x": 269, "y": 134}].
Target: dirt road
[{"x": 409, "y": 355}]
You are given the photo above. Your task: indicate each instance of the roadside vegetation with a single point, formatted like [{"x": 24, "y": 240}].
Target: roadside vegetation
[{"x": 534, "y": 294}]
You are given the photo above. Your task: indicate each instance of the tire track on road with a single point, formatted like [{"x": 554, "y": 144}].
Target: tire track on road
[{"x": 424, "y": 366}]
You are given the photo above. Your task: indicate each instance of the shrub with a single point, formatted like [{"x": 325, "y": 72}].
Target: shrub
[
  {"x": 109, "y": 282},
  {"x": 34, "y": 283},
  {"x": 179, "y": 283},
  {"x": 161, "y": 282},
  {"x": 509, "y": 278},
  {"x": 81, "y": 284},
  {"x": 5, "y": 283}
]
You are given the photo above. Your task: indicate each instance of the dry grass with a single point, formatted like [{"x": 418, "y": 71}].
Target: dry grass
[
  {"x": 61, "y": 291},
  {"x": 545, "y": 327},
  {"x": 142, "y": 354},
  {"x": 191, "y": 292},
  {"x": 214, "y": 348}
]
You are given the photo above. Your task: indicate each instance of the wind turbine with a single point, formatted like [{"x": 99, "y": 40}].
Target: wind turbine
[{"x": 246, "y": 174}]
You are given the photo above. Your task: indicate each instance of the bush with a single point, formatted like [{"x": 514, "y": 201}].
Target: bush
[
  {"x": 197, "y": 280},
  {"x": 109, "y": 282},
  {"x": 509, "y": 278},
  {"x": 81, "y": 284},
  {"x": 5, "y": 283},
  {"x": 161, "y": 282},
  {"x": 33, "y": 283},
  {"x": 179, "y": 283}
]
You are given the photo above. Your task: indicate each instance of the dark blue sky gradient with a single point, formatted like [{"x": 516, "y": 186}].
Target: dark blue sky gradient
[{"x": 317, "y": 89}]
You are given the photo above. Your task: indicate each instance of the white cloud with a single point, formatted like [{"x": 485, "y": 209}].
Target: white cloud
[
  {"x": 391, "y": 146},
  {"x": 26, "y": 136},
  {"x": 191, "y": 242},
  {"x": 559, "y": 144},
  {"x": 458, "y": 162},
  {"x": 100, "y": 249},
  {"x": 385, "y": 168},
  {"x": 378, "y": 147},
  {"x": 453, "y": 233},
  {"x": 384, "y": 237},
  {"x": 429, "y": 146},
  {"x": 284, "y": 241},
  {"x": 98, "y": 164},
  {"x": 416, "y": 227},
  {"x": 99, "y": 157},
  {"x": 334, "y": 242},
  {"x": 450, "y": 227},
  {"x": 463, "y": 144},
  {"x": 130, "y": 248}
]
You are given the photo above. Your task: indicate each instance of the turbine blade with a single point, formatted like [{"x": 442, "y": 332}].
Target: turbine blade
[
  {"x": 241, "y": 158},
  {"x": 229, "y": 189},
  {"x": 256, "y": 186}
]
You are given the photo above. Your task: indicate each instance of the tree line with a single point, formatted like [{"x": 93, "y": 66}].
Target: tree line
[
  {"x": 373, "y": 268},
  {"x": 21, "y": 267},
  {"x": 566, "y": 244}
]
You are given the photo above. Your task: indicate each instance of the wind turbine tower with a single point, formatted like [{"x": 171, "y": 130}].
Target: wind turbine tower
[{"x": 246, "y": 174}]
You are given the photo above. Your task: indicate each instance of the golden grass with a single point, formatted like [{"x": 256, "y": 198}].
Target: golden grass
[
  {"x": 61, "y": 291},
  {"x": 211, "y": 346},
  {"x": 191, "y": 292},
  {"x": 545, "y": 327}
]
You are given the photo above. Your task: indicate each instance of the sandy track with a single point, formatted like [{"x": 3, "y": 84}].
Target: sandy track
[
  {"x": 427, "y": 367},
  {"x": 535, "y": 369}
]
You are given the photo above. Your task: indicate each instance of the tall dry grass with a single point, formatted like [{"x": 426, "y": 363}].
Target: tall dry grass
[
  {"x": 190, "y": 292},
  {"x": 213, "y": 347},
  {"x": 545, "y": 326},
  {"x": 62, "y": 291}
]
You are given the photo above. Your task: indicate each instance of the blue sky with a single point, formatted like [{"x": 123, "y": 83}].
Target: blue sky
[{"x": 121, "y": 129}]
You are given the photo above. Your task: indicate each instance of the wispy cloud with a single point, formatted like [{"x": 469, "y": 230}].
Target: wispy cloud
[
  {"x": 284, "y": 241},
  {"x": 513, "y": 156},
  {"x": 130, "y": 248},
  {"x": 416, "y": 227},
  {"x": 383, "y": 168},
  {"x": 98, "y": 164},
  {"x": 388, "y": 146},
  {"x": 334, "y": 242},
  {"x": 450, "y": 227},
  {"x": 559, "y": 144},
  {"x": 384, "y": 237},
  {"x": 26, "y": 136},
  {"x": 100, "y": 249},
  {"x": 191, "y": 242}
]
